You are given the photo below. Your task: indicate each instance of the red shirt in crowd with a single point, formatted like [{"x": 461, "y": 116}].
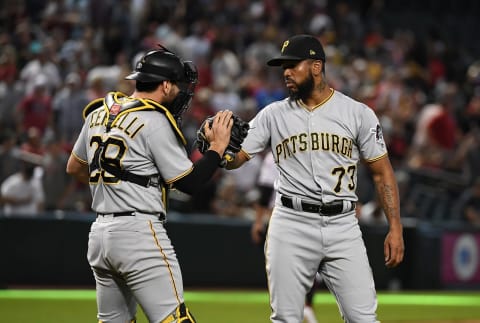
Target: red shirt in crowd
[{"x": 35, "y": 112}]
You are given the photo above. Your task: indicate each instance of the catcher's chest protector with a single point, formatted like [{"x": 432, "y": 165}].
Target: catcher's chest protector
[{"x": 117, "y": 104}]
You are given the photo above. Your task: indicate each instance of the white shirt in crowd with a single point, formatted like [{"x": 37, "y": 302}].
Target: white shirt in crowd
[{"x": 15, "y": 186}]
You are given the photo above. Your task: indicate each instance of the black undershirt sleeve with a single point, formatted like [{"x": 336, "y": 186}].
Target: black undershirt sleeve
[
  {"x": 265, "y": 195},
  {"x": 203, "y": 170}
]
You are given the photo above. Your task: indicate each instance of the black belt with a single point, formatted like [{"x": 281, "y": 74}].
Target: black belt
[
  {"x": 161, "y": 216},
  {"x": 332, "y": 208}
]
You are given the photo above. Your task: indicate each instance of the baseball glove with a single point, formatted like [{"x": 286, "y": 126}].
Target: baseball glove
[{"x": 239, "y": 132}]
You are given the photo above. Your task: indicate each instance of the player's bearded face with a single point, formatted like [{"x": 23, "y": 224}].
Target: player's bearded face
[{"x": 302, "y": 90}]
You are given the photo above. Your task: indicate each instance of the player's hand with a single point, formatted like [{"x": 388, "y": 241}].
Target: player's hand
[
  {"x": 218, "y": 135},
  {"x": 394, "y": 248},
  {"x": 258, "y": 232}
]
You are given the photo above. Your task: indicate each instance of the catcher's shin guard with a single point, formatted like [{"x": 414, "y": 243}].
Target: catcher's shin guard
[{"x": 180, "y": 315}]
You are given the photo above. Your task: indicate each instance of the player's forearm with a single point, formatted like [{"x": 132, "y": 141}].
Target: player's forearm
[
  {"x": 240, "y": 158},
  {"x": 219, "y": 148},
  {"x": 82, "y": 177},
  {"x": 259, "y": 212},
  {"x": 387, "y": 190},
  {"x": 203, "y": 170}
]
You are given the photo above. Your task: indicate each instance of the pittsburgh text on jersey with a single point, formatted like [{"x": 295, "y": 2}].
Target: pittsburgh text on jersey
[{"x": 314, "y": 141}]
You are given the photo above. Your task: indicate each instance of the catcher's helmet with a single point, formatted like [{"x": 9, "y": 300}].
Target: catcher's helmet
[
  {"x": 157, "y": 66},
  {"x": 163, "y": 65}
]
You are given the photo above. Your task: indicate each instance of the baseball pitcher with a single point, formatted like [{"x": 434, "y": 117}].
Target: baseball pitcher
[{"x": 318, "y": 136}]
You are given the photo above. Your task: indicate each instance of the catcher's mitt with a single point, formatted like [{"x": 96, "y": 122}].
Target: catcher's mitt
[{"x": 239, "y": 132}]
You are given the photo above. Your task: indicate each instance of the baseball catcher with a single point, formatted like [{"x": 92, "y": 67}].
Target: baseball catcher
[
  {"x": 239, "y": 132},
  {"x": 130, "y": 174}
]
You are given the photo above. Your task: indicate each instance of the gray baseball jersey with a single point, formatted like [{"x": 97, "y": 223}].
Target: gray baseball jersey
[
  {"x": 317, "y": 153},
  {"x": 326, "y": 143},
  {"x": 132, "y": 257}
]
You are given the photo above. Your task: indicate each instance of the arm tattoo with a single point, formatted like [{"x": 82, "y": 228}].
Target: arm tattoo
[{"x": 387, "y": 193}]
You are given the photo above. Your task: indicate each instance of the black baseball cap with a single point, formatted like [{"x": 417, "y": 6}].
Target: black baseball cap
[{"x": 298, "y": 48}]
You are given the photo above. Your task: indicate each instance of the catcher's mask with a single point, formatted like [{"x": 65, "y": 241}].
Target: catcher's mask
[{"x": 163, "y": 65}]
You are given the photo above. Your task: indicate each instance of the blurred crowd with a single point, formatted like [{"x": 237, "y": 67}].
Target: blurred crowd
[{"x": 422, "y": 80}]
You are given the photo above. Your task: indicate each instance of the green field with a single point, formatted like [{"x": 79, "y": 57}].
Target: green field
[{"x": 72, "y": 306}]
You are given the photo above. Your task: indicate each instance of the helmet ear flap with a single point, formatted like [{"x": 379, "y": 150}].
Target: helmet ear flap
[
  {"x": 187, "y": 87},
  {"x": 191, "y": 72},
  {"x": 180, "y": 104}
]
